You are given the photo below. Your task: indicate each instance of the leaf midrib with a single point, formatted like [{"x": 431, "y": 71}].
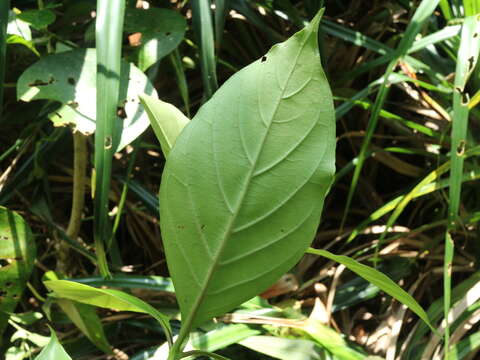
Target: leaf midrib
[{"x": 230, "y": 226}]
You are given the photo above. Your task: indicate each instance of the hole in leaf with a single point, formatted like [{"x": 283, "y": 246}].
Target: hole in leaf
[
  {"x": 71, "y": 81},
  {"x": 73, "y": 104},
  {"x": 264, "y": 58},
  {"x": 461, "y": 147},
  {"x": 4, "y": 262},
  {"x": 471, "y": 62},
  {"x": 8, "y": 284},
  {"x": 108, "y": 143},
  {"x": 121, "y": 112},
  {"x": 3, "y": 293},
  {"x": 15, "y": 296}
]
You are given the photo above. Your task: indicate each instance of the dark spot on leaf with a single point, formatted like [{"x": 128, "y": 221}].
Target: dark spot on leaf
[
  {"x": 264, "y": 58},
  {"x": 15, "y": 296},
  {"x": 71, "y": 81},
  {"x": 3, "y": 293},
  {"x": 58, "y": 114},
  {"x": 168, "y": 33},
  {"x": 8, "y": 284},
  {"x": 202, "y": 227},
  {"x": 42, "y": 83},
  {"x": 461, "y": 147},
  {"x": 475, "y": 35},
  {"x": 282, "y": 230},
  {"x": 121, "y": 112},
  {"x": 4, "y": 237},
  {"x": 181, "y": 227}
]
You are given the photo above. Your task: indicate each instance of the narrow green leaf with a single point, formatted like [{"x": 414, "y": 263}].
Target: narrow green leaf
[
  {"x": 379, "y": 279},
  {"x": 263, "y": 145},
  {"x": 17, "y": 256},
  {"x": 466, "y": 60},
  {"x": 106, "y": 298},
  {"x": 4, "y": 9},
  {"x": 222, "y": 7},
  {"x": 167, "y": 121},
  {"x": 181, "y": 79},
  {"x": 446, "y": 10},
  {"x": 157, "y": 283},
  {"x": 54, "y": 350},
  {"x": 108, "y": 35},
  {"x": 465, "y": 348},
  {"x": 203, "y": 28}
]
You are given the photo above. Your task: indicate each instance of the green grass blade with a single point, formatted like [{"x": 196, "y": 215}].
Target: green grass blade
[
  {"x": 181, "y": 79},
  {"x": 423, "y": 12},
  {"x": 466, "y": 60},
  {"x": 203, "y": 28},
  {"x": 378, "y": 279},
  {"x": 4, "y": 8},
  {"x": 222, "y": 7},
  {"x": 109, "y": 26},
  {"x": 446, "y": 10},
  {"x": 471, "y": 7},
  {"x": 465, "y": 348}
]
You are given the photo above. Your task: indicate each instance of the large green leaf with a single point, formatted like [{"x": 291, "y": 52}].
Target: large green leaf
[
  {"x": 70, "y": 78},
  {"x": 17, "y": 256},
  {"x": 162, "y": 31},
  {"x": 243, "y": 188}
]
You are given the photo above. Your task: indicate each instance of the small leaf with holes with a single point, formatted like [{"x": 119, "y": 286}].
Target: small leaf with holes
[{"x": 70, "y": 78}]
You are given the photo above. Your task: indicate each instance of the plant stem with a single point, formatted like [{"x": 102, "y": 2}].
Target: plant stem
[
  {"x": 79, "y": 182},
  {"x": 78, "y": 199}
]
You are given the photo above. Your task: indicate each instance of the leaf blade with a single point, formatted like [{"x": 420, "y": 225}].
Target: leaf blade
[
  {"x": 198, "y": 240},
  {"x": 379, "y": 279},
  {"x": 166, "y": 120}
]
